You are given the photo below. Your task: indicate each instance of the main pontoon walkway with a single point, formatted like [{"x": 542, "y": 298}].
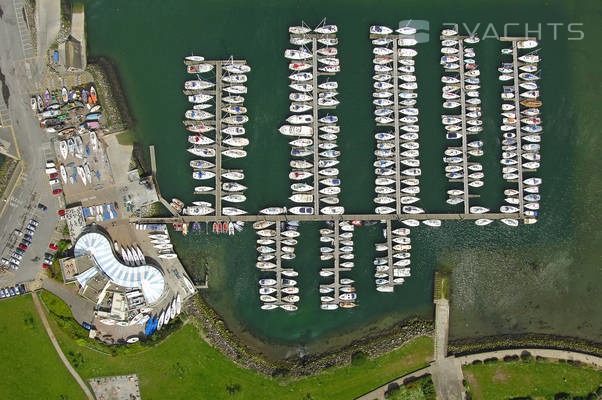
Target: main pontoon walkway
[{"x": 344, "y": 217}]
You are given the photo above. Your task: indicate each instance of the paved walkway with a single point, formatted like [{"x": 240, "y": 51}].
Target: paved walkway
[
  {"x": 72, "y": 371},
  {"x": 547, "y": 353},
  {"x": 82, "y": 309},
  {"x": 48, "y": 23},
  {"x": 379, "y": 393}
]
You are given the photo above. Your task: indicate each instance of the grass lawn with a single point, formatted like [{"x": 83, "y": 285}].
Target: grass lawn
[
  {"x": 30, "y": 368},
  {"x": 184, "y": 366},
  {"x": 539, "y": 379}
]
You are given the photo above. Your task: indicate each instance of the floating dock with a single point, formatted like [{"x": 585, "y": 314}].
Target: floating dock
[
  {"x": 219, "y": 124},
  {"x": 463, "y": 117}
]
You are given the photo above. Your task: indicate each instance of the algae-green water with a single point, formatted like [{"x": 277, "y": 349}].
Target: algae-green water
[{"x": 538, "y": 278}]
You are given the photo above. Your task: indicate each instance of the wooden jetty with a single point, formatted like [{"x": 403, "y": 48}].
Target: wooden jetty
[{"x": 166, "y": 203}]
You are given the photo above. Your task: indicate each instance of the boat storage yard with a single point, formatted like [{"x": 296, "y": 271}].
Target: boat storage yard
[{"x": 215, "y": 125}]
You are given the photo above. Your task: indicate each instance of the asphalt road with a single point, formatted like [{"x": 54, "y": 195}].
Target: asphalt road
[{"x": 35, "y": 149}]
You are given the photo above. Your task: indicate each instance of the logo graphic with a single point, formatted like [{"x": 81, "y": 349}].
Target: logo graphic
[{"x": 421, "y": 26}]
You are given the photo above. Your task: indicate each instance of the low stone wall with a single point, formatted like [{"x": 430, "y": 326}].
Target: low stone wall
[{"x": 218, "y": 334}]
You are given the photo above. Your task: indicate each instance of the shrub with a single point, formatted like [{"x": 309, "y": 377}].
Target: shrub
[
  {"x": 491, "y": 360},
  {"x": 511, "y": 358},
  {"x": 477, "y": 362},
  {"x": 393, "y": 391},
  {"x": 358, "y": 358},
  {"x": 526, "y": 356},
  {"x": 562, "y": 396}
]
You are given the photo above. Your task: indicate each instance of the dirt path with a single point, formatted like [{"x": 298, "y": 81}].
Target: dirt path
[{"x": 72, "y": 371}]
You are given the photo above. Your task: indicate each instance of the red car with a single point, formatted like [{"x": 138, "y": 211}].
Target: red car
[
  {"x": 61, "y": 212},
  {"x": 23, "y": 246},
  {"x": 57, "y": 191},
  {"x": 52, "y": 246},
  {"x": 54, "y": 176}
]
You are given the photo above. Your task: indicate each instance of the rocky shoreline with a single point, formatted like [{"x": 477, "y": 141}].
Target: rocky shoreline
[
  {"x": 114, "y": 100},
  {"x": 217, "y": 334}
]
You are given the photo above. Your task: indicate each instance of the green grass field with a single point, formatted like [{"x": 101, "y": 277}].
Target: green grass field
[
  {"x": 30, "y": 368},
  {"x": 184, "y": 365},
  {"x": 539, "y": 379}
]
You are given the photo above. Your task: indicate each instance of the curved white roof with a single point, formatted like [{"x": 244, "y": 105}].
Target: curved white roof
[{"x": 146, "y": 277}]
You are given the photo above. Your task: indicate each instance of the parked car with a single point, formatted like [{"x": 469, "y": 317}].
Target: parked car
[
  {"x": 17, "y": 256},
  {"x": 17, "y": 290},
  {"x": 19, "y": 251},
  {"x": 34, "y": 222},
  {"x": 54, "y": 176},
  {"x": 15, "y": 261},
  {"x": 57, "y": 191},
  {"x": 4, "y": 261},
  {"x": 11, "y": 291},
  {"x": 2, "y": 294},
  {"x": 28, "y": 237},
  {"x": 14, "y": 266},
  {"x": 22, "y": 288},
  {"x": 29, "y": 231},
  {"x": 86, "y": 325},
  {"x": 53, "y": 181},
  {"x": 61, "y": 212},
  {"x": 42, "y": 207},
  {"x": 25, "y": 241},
  {"x": 53, "y": 246}
]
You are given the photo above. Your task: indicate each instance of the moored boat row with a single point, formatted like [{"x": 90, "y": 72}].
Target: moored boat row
[
  {"x": 314, "y": 178},
  {"x": 336, "y": 254},
  {"x": 521, "y": 130},
  {"x": 397, "y": 167},
  {"x": 216, "y": 132},
  {"x": 276, "y": 243},
  {"x": 462, "y": 118}
]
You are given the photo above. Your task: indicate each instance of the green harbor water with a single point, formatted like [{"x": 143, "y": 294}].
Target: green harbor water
[{"x": 538, "y": 278}]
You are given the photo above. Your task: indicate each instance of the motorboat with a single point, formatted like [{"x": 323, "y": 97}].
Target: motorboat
[{"x": 301, "y": 210}]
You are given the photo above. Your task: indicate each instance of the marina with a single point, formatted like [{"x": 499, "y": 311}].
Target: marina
[
  {"x": 397, "y": 165},
  {"x": 356, "y": 161}
]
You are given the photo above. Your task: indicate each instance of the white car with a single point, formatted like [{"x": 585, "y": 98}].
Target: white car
[{"x": 53, "y": 181}]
